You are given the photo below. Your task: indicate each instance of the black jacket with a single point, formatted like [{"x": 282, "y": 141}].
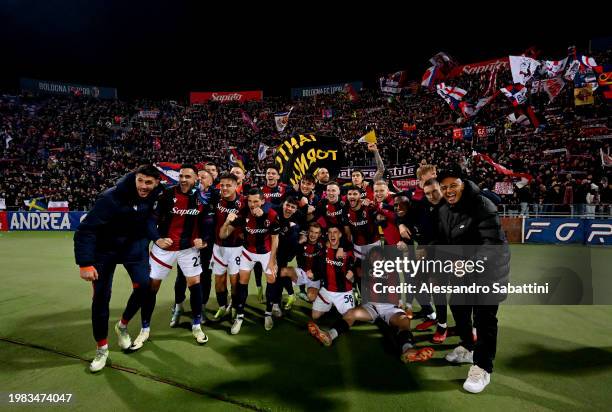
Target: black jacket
[
  {"x": 473, "y": 223},
  {"x": 116, "y": 228}
]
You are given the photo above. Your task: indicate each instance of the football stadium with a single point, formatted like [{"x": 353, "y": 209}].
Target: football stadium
[{"x": 430, "y": 230}]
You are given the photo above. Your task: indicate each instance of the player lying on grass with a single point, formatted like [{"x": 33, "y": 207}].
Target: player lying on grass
[{"x": 379, "y": 306}]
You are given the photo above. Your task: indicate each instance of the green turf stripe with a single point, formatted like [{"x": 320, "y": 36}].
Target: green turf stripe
[{"x": 133, "y": 371}]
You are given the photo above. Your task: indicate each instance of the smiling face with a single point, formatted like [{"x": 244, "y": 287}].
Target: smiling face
[
  {"x": 289, "y": 209},
  {"x": 333, "y": 193},
  {"x": 187, "y": 179},
  {"x": 334, "y": 234},
  {"x": 228, "y": 188},
  {"x": 354, "y": 198},
  {"x": 272, "y": 177},
  {"x": 452, "y": 189},
  {"x": 205, "y": 178},
  {"x": 401, "y": 205},
  {"x": 381, "y": 191},
  {"x": 306, "y": 186},
  {"x": 314, "y": 233},
  {"x": 145, "y": 184}
]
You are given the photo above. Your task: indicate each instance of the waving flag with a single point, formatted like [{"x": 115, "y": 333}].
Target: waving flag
[
  {"x": 169, "y": 171},
  {"x": 393, "y": 83},
  {"x": 606, "y": 159},
  {"x": 588, "y": 61},
  {"x": 553, "y": 68},
  {"x": 552, "y": 87},
  {"x": 502, "y": 170},
  {"x": 523, "y": 68},
  {"x": 572, "y": 69},
  {"x": 247, "y": 119},
  {"x": 517, "y": 94},
  {"x": 262, "y": 151},
  {"x": 429, "y": 77},
  {"x": 236, "y": 159},
  {"x": 369, "y": 137},
  {"x": 38, "y": 203},
  {"x": 282, "y": 119},
  {"x": 452, "y": 95},
  {"x": 468, "y": 110}
]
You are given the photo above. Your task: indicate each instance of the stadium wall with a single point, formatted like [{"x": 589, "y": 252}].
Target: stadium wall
[{"x": 518, "y": 229}]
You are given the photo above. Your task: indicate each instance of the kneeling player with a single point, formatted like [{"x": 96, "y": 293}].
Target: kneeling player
[
  {"x": 260, "y": 245},
  {"x": 380, "y": 306},
  {"x": 336, "y": 275},
  {"x": 302, "y": 274}
]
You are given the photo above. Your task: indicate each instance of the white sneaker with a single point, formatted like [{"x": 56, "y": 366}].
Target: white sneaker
[
  {"x": 237, "y": 325},
  {"x": 276, "y": 311},
  {"x": 99, "y": 362},
  {"x": 123, "y": 336},
  {"x": 460, "y": 355},
  {"x": 140, "y": 340},
  {"x": 199, "y": 334},
  {"x": 176, "y": 317},
  {"x": 477, "y": 379},
  {"x": 268, "y": 322}
]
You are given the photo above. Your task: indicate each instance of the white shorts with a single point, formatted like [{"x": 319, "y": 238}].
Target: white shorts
[
  {"x": 248, "y": 260},
  {"x": 226, "y": 259},
  {"x": 343, "y": 301},
  {"x": 303, "y": 279},
  {"x": 385, "y": 311},
  {"x": 162, "y": 261},
  {"x": 362, "y": 251}
]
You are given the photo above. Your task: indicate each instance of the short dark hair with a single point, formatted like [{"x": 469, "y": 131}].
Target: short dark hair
[
  {"x": 333, "y": 183},
  {"x": 255, "y": 191},
  {"x": 332, "y": 226},
  {"x": 148, "y": 170},
  {"x": 430, "y": 182},
  {"x": 308, "y": 178},
  {"x": 353, "y": 187},
  {"x": 273, "y": 166},
  {"x": 291, "y": 200},
  {"x": 210, "y": 164},
  {"x": 357, "y": 171},
  {"x": 190, "y": 166},
  {"x": 229, "y": 176}
]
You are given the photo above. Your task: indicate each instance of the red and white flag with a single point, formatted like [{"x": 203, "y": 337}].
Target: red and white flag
[{"x": 58, "y": 206}]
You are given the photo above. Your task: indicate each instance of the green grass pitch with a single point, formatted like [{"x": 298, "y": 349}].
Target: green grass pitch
[{"x": 555, "y": 358}]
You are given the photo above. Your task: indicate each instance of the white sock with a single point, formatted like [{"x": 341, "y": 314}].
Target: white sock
[
  {"x": 442, "y": 325},
  {"x": 145, "y": 329},
  {"x": 406, "y": 346},
  {"x": 268, "y": 314},
  {"x": 105, "y": 347},
  {"x": 178, "y": 307},
  {"x": 198, "y": 326},
  {"x": 432, "y": 316},
  {"x": 275, "y": 306},
  {"x": 333, "y": 333}
]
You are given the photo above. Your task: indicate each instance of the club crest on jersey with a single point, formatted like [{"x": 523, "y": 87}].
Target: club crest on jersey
[{"x": 267, "y": 223}]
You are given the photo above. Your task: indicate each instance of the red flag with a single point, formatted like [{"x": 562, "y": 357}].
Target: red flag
[{"x": 502, "y": 170}]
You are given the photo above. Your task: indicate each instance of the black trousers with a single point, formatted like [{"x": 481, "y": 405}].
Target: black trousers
[{"x": 485, "y": 321}]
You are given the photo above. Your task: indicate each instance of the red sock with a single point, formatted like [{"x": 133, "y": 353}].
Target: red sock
[
  {"x": 102, "y": 342},
  {"x": 123, "y": 322}
]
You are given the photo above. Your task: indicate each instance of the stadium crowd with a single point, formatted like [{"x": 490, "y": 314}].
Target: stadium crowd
[{"x": 70, "y": 148}]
